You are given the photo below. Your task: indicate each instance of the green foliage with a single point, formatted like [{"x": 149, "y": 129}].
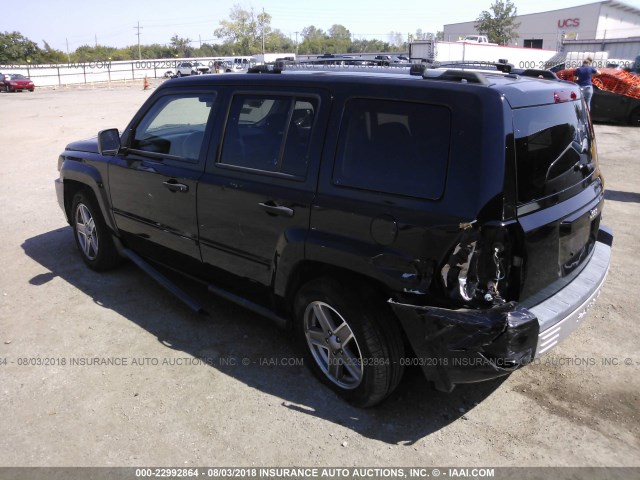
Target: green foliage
[
  {"x": 245, "y": 32},
  {"x": 359, "y": 46},
  {"x": 313, "y": 41},
  {"x": 499, "y": 24},
  {"x": 50, "y": 55},
  {"x": 181, "y": 46},
  {"x": 14, "y": 48}
]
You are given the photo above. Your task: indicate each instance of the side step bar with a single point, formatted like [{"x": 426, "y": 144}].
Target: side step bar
[
  {"x": 249, "y": 305},
  {"x": 162, "y": 280},
  {"x": 190, "y": 302}
]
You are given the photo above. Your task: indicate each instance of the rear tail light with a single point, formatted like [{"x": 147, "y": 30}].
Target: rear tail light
[{"x": 562, "y": 96}]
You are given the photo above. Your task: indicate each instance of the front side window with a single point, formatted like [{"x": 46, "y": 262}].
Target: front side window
[
  {"x": 269, "y": 133},
  {"x": 394, "y": 147},
  {"x": 174, "y": 127}
]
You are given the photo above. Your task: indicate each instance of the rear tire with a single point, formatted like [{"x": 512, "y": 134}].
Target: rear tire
[
  {"x": 92, "y": 235},
  {"x": 350, "y": 340}
]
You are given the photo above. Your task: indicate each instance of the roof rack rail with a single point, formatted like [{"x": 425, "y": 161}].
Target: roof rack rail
[
  {"x": 463, "y": 76},
  {"x": 311, "y": 66},
  {"x": 501, "y": 66}
]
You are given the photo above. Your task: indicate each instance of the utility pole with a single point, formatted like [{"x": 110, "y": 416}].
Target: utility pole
[
  {"x": 138, "y": 28},
  {"x": 68, "y": 55},
  {"x": 296, "y": 42}
]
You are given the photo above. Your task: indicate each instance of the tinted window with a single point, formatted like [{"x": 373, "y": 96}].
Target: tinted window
[
  {"x": 394, "y": 147},
  {"x": 269, "y": 133},
  {"x": 553, "y": 149},
  {"x": 174, "y": 126}
]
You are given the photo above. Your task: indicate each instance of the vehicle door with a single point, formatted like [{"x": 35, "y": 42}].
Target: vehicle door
[
  {"x": 153, "y": 181},
  {"x": 255, "y": 196}
]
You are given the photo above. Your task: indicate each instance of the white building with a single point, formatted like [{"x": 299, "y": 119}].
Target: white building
[{"x": 610, "y": 26}]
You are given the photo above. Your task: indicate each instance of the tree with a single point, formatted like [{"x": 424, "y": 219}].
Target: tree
[
  {"x": 245, "y": 30},
  {"x": 339, "y": 39},
  {"x": 51, "y": 55},
  {"x": 276, "y": 41},
  {"x": 14, "y": 48},
  {"x": 499, "y": 24},
  {"x": 313, "y": 41},
  {"x": 181, "y": 46},
  {"x": 368, "y": 46}
]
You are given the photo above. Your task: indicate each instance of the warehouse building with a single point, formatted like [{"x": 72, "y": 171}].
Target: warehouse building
[{"x": 609, "y": 26}]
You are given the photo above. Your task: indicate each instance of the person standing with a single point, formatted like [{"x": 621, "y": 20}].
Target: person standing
[{"x": 584, "y": 75}]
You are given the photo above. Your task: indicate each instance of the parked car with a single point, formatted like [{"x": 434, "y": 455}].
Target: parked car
[
  {"x": 386, "y": 219},
  {"x": 191, "y": 68},
  {"x": 613, "y": 107},
  {"x": 16, "y": 82}
]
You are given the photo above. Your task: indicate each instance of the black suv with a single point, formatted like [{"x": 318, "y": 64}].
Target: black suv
[{"x": 449, "y": 220}]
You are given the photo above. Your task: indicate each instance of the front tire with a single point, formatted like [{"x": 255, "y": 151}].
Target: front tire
[
  {"x": 350, "y": 340},
  {"x": 92, "y": 235}
]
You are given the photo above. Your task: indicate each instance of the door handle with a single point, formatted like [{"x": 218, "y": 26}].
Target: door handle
[
  {"x": 174, "y": 186},
  {"x": 272, "y": 209}
]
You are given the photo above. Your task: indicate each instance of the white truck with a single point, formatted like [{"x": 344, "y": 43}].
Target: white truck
[
  {"x": 481, "y": 39},
  {"x": 436, "y": 51}
]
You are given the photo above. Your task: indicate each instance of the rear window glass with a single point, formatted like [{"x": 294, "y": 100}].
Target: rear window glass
[
  {"x": 393, "y": 147},
  {"x": 553, "y": 143}
]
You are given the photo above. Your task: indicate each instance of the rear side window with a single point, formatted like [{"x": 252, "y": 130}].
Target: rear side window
[
  {"x": 269, "y": 133},
  {"x": 553, "y": 149},
  {"x": 394, "y": 147}
]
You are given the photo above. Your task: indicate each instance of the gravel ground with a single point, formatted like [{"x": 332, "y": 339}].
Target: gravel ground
[{"x": 228, "y": 389}]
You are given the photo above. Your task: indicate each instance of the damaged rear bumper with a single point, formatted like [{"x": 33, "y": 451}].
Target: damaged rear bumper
[{"x": 465, "y": 346}]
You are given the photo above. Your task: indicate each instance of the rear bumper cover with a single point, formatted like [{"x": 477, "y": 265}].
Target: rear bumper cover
[{"x": 465, "y": 346}]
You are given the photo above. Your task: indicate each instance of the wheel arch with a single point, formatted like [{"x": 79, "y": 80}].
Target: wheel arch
[
  {"x": 80, "y": 176},
  {"x": 305, "y": 271}
]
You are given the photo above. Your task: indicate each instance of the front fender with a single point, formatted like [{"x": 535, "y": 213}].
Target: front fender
[{"x": 74, "y": 174}]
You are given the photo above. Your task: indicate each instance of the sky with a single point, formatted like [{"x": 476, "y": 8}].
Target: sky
[{"x": 114, "y": 22}]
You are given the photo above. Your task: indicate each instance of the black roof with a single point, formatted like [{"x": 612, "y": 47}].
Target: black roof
[{"x": 520, "y": 91}]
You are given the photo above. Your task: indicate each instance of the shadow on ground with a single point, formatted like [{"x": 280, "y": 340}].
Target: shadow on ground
[
  {"x": 233, "y": 334},
  {"x": 618, "y": 196}
]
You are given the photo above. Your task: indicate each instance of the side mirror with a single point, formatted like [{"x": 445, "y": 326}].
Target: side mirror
[{"x": 109, "y": 141}]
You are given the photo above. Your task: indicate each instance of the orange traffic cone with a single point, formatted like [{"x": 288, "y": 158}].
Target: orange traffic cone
[{"x": 146, "y": 83}]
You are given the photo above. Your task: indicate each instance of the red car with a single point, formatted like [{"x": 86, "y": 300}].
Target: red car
[{"x": 16, "y": 82}]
